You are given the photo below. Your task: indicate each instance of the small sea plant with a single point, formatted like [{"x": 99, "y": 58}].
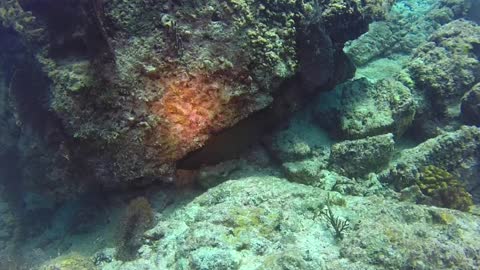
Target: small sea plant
[
  {"x": 137, "y": 219},
  {"x": 339, "y": 225},
  {"x": 444, "y": 189}
]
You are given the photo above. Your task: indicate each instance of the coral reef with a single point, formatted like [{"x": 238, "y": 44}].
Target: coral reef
[
  {"x": 158, "y": 80},
  {"x": 23, "y": 22},
  {"x": 444, "y": 188},
  {"x": 191, "y": 110},
  {"x": 188, "y": 104}
]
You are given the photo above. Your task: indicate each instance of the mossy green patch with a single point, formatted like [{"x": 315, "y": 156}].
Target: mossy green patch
[
  {"x": 72, "y": 261},
  {"x": 444, "y": 188},
  {"x": 253, "y": 220},
  {"x": 23, "y": 22}
]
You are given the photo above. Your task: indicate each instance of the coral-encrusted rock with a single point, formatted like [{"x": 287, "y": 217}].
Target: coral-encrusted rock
[
  {"x": 140, "y": 84},
  {"x": 306, "y": 171},
  {"x": 368, "y": 109},
  {"x": 456, "y": 152},
  {"x": 288, "y": 146},
  {"x": 270, "y": 223},
  {"x": 359, "y": 157},
  {"x": 408, "y": 25},
  {"x": 448, "y": 65},
  {"x": 471, "y": 106}
]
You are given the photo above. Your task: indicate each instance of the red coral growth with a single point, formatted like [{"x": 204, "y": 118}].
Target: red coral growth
[{"x": 190, "y": 110}]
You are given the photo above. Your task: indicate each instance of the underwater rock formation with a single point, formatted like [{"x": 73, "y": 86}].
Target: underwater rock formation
[
  {"x": 158, "y": 79},
  {"x": 270, "y": 223},
  {"x": 456, "y": 152},
  {"x": 444, "y": 189},
  {"x": 471, "y": 106},
  {"x": 408, "y": 25},
  {"x": 359, "y": 157},
  {"x": 105, "y": 101},
  {"x": 8, "y": 221},
  {"x": 367, "y": 109},
  {"x": 447, "y": 66}
]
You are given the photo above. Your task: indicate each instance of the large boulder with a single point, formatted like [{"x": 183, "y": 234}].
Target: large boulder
[
  {"x": 366, "y": 109},
  {"x": 358, "y": 157},
  {"x": 138, "y": 85},
  {"x": 447, "y": 66},
  {"x": 456, "y": 152},
  {"x": 409, "y": 24}
]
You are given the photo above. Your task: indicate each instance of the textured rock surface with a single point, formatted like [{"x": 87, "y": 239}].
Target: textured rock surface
[
  {"x": 447, "y": 66},
  {"x": 158, "y": 79},
  {"x": 456, "y": 152},
  {"x": 368, "y": 109},
  {"x": 69, "y": 262},
  {"x": 269, "y": 223},
  {"x": 116, "y": 64},
  {"x": 408, "y": 25},
  {"x": 471, "y": 106},
  {"x": 359, "y": 157},
  {"x": 307, "y": 171}
]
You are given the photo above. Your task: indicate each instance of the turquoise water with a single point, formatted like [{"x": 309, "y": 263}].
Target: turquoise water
[{"x": 239, "y": 134}]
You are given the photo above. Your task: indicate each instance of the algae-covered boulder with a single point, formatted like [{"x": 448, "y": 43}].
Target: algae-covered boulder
[
  {"x": 158, "y": 79},
  {"x": 306, "y": 171},
  {"x": 456, "y": 152},
  {"x": 367, "y": 109},
  {"x": 444, "y": 189},
  {"x": 359, "y": 157},
  {"x": 434, "y": 234},
  {"x": 408, "y": 25},
  {"x": 447, "y": 66},
  {"x": 288, "y": 146}
]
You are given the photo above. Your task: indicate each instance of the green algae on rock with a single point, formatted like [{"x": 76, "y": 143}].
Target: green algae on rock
[
  {"x": 447, "y": 66},
  {"x": 73, "y": 261},
  {"x": 457, "y": 152},
  {"x": 408, "y": 25},
  {"x": 358, "y": 157},
  {"x": 369, "y": 109},
  {"x": 444, "y": 189},
  {"x": 281, "y": 231},
  {"x": 159, "y": 79}
]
